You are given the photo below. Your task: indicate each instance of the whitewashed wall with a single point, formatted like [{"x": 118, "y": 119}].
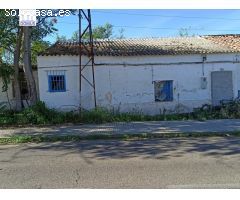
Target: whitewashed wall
[
  {"x": 128, "y": 88},
  {"x": 3, "y": 95},
  {"x": 59, "y": 100}
]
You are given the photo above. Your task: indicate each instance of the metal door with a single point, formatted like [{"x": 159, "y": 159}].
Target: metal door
[{"x": 221, "y": 86}]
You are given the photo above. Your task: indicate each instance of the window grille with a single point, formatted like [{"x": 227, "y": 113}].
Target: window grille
[{"x": 56, "y": 81}]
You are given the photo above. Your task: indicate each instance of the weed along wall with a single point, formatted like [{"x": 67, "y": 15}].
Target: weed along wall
[{"x": 148, "y": 84}]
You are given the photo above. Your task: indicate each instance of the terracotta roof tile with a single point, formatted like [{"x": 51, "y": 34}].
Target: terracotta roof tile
[
  {"x": 153, "y": 46},
  {"x": 230, "y": 41}
]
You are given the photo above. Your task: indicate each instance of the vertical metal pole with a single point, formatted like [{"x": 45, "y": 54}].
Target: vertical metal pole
[
  {"x": 92, "y": 56},
  {"x": 80, "y": 58},
  {"x": 89, "y": 53}
]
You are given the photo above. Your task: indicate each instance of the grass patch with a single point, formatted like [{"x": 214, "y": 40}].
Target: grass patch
[
  {"x": 75, "y": 138},
  {"x": 39, "y": 114}
]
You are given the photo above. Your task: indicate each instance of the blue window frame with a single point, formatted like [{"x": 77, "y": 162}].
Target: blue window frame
[
  {"x": 163, "y": 90},
  {"x": 56, "y": 81}
]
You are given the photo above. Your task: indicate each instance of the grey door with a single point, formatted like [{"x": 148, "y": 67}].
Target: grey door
[{"x": 222, "y": 86}]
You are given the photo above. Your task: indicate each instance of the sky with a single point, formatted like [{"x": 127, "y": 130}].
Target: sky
[{"x": 157, "y": 23}]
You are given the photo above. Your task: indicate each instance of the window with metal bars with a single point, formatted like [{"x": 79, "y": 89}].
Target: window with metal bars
[{"x": 56, "y": 82}]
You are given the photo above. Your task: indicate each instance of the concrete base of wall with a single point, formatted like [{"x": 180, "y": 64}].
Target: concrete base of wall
[{"x": 156, "y": 108}]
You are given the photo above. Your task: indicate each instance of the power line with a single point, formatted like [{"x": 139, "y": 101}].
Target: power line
[
  {"x": 167, "y": 16},
  {"x": 191, "y": 29},
  {"x": 160, "y": 28}
]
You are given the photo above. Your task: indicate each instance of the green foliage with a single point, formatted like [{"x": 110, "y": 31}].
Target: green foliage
[
  {"x": 36, "y": 48},
  {"x": 102, "y": 32},
  {"x": 99, "y": 115},
  {"x": 185, "y": 32},
  {"x": 46, "y": 24},
  {"x": 40, "y": 114},
  {"x": 9, "y": 26},
  {"x": 8, "y": 35},
  {"x": 6, "y": 71},
  {"x": 7, "y": 39},
  {"x": 99, "y": 32},
  {"x": 8, "y": 29},
  {"x": 62, "y": 38},
  {"x": 229, "y": 110},
  {"x": 37, "y": 114}
]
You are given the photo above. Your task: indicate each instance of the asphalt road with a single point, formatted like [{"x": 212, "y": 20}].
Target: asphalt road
[
  {"x": 153, "y": 127},
  {"x": 163, "y": 163}
]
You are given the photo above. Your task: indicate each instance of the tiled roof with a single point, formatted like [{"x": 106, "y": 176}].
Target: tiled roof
[
  {"x": 153, "y": 46},
  {"x": 231, "y": 41}
]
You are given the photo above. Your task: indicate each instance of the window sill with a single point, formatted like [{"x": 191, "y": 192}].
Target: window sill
[
  {"x": 164, "y": 101},
  {"x": 57, "y": 91}
]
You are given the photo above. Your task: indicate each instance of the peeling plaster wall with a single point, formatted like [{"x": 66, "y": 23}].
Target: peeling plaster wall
[
  {"x": 128, "y": 88},
  {"x": 3, "y": 95}
]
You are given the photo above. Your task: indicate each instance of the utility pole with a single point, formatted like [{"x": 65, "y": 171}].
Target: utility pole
[{"x": 86, "y": 49}]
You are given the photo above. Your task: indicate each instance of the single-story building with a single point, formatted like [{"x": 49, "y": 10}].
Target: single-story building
[{"x": 151, "y": 76}]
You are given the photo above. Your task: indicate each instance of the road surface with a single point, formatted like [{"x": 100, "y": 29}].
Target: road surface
[
  {"x": 163, "y": 163},
  {"x": 153, "y": 127}
]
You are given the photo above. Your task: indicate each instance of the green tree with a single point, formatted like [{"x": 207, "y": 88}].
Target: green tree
[
  {"x": 44, "y": 27},
  {"x": 61, "y": 38},
  {"x": 102, "y": 32},
  {"x": 38, "y": 47},
  {"x": 185, "y": 32},
  {"x": 99, "y": 32},
  {"x": 18, "y": 41},
  {"x": 6, "y": 71},
  {"x": 8, "y": 38}
]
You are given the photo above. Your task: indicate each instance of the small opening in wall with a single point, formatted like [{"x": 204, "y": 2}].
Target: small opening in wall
[{"x": 163, "y": 90}]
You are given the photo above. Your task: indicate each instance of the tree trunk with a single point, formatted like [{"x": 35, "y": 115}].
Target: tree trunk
[
  {"x": 27, "y": 66},
  {"x": 16, "y": 85}
]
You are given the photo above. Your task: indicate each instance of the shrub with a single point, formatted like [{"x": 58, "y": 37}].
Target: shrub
[
  {"x": 40, "y": 114},
  {"x": 98, "y": 115}
]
